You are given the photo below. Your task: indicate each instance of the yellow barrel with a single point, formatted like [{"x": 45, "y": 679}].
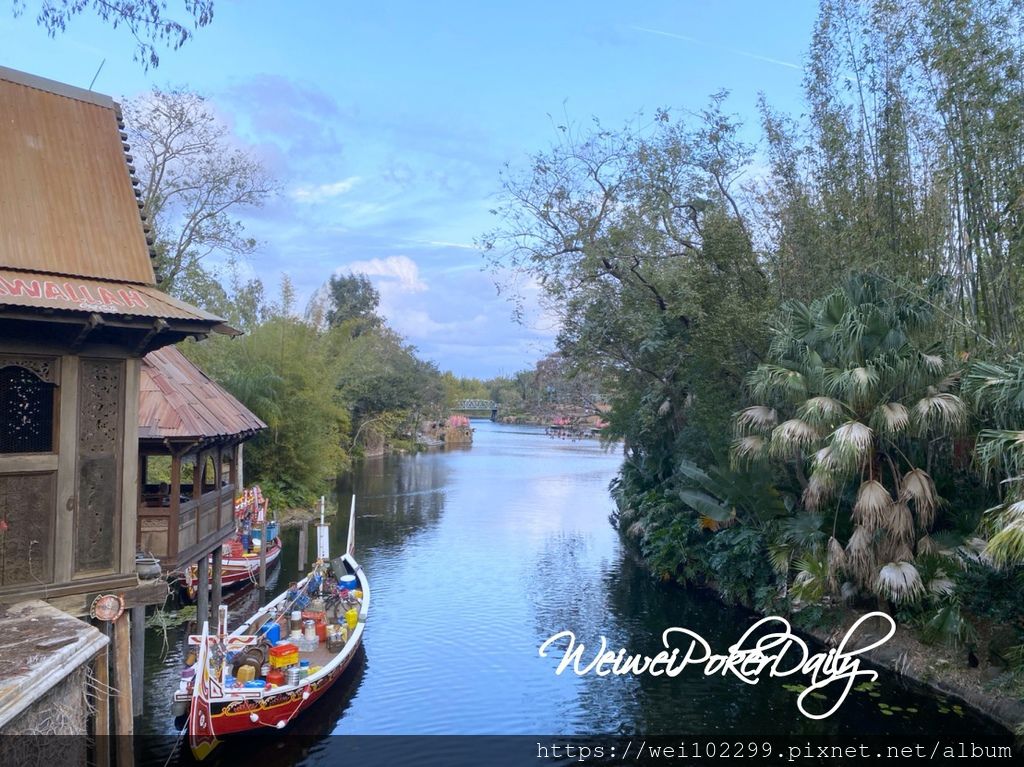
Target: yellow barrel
[
  {"x": 352, "y": 618},
  {"x": 246, "y": 673}
]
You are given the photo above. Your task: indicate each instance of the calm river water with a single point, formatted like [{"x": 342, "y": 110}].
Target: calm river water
[{"x": 475, "y": 557}]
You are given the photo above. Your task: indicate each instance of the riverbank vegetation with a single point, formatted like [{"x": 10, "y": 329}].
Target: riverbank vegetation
[{"x": 809, "y": 330}]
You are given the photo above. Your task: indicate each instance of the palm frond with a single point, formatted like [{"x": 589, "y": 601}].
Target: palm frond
[
  {"x": 933, "y": 363},
  {"x": 891, "y": 418},
  {"x": 1001, "y": 449},
  {"x": 822, "y": 411},
  {"x": 900, "y": 523},
  {"x": 941, "y": 585},
  {"x": 899, "y": 582},
  {"x": 949, "y": 626},
  {"x": 836, "y": 557},
  {"x": 791, "y": 436},
  {"x": 859, "y": 559},
  {"x": 750, "y": 448},
  {"x": 873, "y": 506},
  {"x": 1006, "y": 546},
  {"x": 918, "y": 486},
  {"x": 820, "y": 488},
  {"x": 780, "y": 555},
  {"x": 812, "y": 579},
  {"x": 760, "y": 419},
  {"x": 768, "y": 381},
  {"x": 851, "y": 443},
  {"x": 941, "y": 411}
]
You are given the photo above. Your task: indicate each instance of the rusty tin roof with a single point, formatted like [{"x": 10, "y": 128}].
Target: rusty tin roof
[
  {"x": 178, "y": 401},
  {"x": 66, "y": 198}
]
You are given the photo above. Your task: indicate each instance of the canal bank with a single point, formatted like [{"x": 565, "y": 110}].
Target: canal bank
[{"x": 476, "y": 558}]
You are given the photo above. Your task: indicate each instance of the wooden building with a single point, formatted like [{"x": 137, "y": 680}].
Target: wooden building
[
  {"x": 79, "y": 308},
  {"x": 79, "y": 312},
  {"x": 190, "y": 459}
]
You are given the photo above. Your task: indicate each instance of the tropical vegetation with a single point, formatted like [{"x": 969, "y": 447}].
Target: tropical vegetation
[{"x": 809, "y": 330}]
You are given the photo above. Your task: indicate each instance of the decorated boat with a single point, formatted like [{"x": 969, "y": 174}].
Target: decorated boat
[
  {"x": 240, "y": 560},
  {"x": 283, "y": 658}
]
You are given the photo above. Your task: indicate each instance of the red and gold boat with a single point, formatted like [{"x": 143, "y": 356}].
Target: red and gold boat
[
  {"x": 283, "y": 658},
  {"x": 240, "y": 560}
]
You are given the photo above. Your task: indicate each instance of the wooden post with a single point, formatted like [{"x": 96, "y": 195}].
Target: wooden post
[
  {"x": 101, "y": 731},
  {"x": 138, "y": 658},
  {"x": 174, "y": 521},
  {"x": 218, "y": 563},
  {"x": 303, "y": 545},
  {"x": 202, "y": 593},
  {"x": 124, "y": 725},
  {"x": 264, "y": 545}
]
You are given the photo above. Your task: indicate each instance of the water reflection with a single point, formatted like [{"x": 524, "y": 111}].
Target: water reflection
[{"x": 477, "y": 556}]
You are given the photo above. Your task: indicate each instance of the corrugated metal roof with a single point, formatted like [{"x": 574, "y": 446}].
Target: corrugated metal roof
[
  {"x": 178, "y": 401},
  {"x": 67, "y": 205},
  {"x": 38, "y": 290}
]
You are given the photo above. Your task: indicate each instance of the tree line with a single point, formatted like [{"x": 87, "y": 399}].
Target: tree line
[{"x": 811, "y": 343}]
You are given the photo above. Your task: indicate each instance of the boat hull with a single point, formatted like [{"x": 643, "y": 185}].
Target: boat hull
[
  {"x": 235, "y": 570},
  {"x": 275, "y": 711}
]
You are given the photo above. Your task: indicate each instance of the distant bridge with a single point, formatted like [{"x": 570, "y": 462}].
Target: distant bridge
[{"x": 473, "y": 406}]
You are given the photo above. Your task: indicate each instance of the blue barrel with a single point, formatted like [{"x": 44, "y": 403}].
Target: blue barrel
[{"x": 271, "y": 630}]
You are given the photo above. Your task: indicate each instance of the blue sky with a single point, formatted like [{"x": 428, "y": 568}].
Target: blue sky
[{"x": 387, "y": 126}]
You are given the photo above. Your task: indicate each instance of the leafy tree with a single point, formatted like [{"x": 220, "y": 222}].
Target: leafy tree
[
  {"x": 194, "y": 184},
  {"x": 145, "y": 19},
  {"x": 640, "y": 244},
  {"x": 353, "y": 299},
  {"x": 281, "y": 370}
]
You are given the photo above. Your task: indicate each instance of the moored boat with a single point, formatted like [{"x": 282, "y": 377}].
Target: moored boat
[
  {"x": 281, "y": 659},
  {"x": 240, "y": 561}
]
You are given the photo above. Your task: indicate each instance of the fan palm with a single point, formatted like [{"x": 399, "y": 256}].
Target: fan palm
[
  {"x": 998, "y": 392},
  {"x": 855, "y": 396}
]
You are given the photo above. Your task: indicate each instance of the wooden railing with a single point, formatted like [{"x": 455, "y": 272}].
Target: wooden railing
[{"x": 201, "y": 525}]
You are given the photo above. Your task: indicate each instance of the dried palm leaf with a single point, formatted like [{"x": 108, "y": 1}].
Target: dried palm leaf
[
  {"x": 917, "y": 486},
  {"x": 859, "y": 559},
  {"x": 792, "y": 435},
  {"x": 900, "y": 523},
  {"x": 836, "y": 557},
  {"x": 941, "y": 585},
  {"x": 820, "y": 488},
  {"x": 851, "y": 443},
  {"x": 822, "y": 410},
  {"x": 940, "y": 410},
  {"x": 933, "y": 362},
  {"x": 759, "y": 418},
  {"x": 891, "y": 418},
  {"x": 749, "y": 448},
  {"x": 873, "y": 505},
  {"x": 899, "y": 582}
]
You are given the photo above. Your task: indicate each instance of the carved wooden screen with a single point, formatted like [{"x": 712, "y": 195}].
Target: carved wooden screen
[
  {"x": 26, "y": 528},
  {"x": 100, "y": 429},
  {"x": 27, "y": 389}
]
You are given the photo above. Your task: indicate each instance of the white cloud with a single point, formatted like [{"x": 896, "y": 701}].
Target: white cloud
[
  {"x": 461, "y": 245},
  {"x": 320, "y": 192},
  {"x": 397, "y": 272}
]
